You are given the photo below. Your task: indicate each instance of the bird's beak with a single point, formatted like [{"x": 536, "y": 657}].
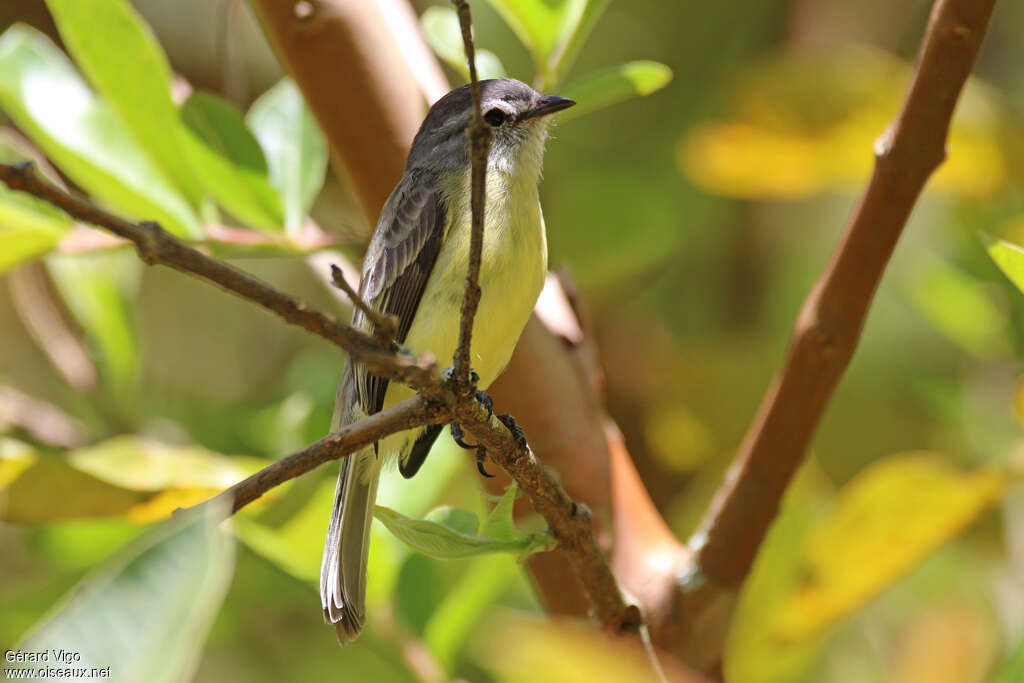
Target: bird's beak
[{"x": 548, "y": 104}]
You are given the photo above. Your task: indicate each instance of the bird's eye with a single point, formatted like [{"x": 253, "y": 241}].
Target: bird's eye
[{"x": 495, "y": 117}]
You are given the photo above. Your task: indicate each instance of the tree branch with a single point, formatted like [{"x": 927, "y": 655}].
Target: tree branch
[
  {"x": 479, "y": 135},
  {"x": 830, "y": 321}
]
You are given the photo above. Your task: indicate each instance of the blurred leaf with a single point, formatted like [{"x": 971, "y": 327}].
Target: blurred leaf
[
  {"x": 124, "y": 62},
  {"x": 42, "y": 488},
  {"x": 141, "y": 464},
  {"x": 440, "y": 27},
  {"x": 295, "y": 149},
  {"x": 565, "y": 58},
  {"x": 755, "y": 651},
  {"x": 79, "y": 544},
  {"x": 147, "y": 615},
  {"x": 521, "y": 649},
  {"x": 480, "y": 585},
  {"x": 1012, "y": 670},
  {"x": 499, "y": 523},
  {"x": 960, "y": 307},
  {"x": 806, "y": 122},
  {"x": 100, "y": 289},
  {"x": 606, "y": 87},
  {"x": 1009, "y": 258},
  {"x": 885, "y": 522},
  {"x": 228, "y": 160},
  {"x": 41, "y": 92},
  {"x": 543, "y": 26},
  {"x": 296, "y": 545},
  {"x": 115, "y": 477},
  {"x": 418, "y": 591}
]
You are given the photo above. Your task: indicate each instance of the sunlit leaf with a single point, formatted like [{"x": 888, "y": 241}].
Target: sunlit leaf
[
  {"x": 458, "y": 519},
  {"x": 228, "y": 160},
  {"x": 806, "y": 122},
  {"x": 1009, "y": 258},
  {"x": 294, "y": 147},
  {"x": 500, "y": 523},
  {"x": 122, "y": 59},
  {"x": 15, "y": 458},
  {"x": 41, "y": 92},
  {"x": 884, "y": 522},
  {"x": 79, "y": 544},
  {"x": 441, "y": 29},
  {"x": 616, "y": 84},
  {"x": 146, "y": 616},
  {"x": 960, "y": 307},
  {"x": 566, "y": 56},
  {"x": 543, "y": 26},
  {"x": 1012, "y": 670},
  {"x": 100, "y": 288}
]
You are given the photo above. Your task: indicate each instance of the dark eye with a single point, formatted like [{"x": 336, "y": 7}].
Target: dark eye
[{"x": 495, "y": 117}]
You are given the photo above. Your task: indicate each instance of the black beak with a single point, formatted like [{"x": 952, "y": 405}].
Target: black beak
[{"x": 548, "y": 104}]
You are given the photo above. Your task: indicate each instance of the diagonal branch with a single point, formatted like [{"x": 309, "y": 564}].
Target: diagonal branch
[{"x": 829, "y": 324}]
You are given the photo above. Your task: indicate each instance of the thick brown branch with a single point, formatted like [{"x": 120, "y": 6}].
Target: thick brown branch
[
  {"x": 830, "y": 322},
  {"x": 479, "y": 134}
]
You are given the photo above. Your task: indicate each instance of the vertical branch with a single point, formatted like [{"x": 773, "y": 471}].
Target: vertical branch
[
  {"x": 479, "y": 135},
  {"x": 830, "y": 321}
]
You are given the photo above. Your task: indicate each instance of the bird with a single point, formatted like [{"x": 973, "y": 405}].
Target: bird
[{"x": 415, "y": 269}]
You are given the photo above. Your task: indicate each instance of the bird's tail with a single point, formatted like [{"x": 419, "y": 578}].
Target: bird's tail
[{"x": 343, "y": 570}]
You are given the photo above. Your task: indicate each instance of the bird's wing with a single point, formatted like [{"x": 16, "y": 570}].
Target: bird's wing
[{"x": 398, "y": 264}]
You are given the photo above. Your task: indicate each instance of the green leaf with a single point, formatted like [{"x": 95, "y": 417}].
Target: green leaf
[
  {"x": 483, "y": 582},
  {"x": 564, "y": 59},
  {"x": 295, "y": 149},
  {"x": 122, "y": 59},
  {"x": 440, "y": 27},
  {"x": 146, "y": 616},
  {"x": 100, "y": 288},
  {"x": 613, "y": 85},
  {"x": 1009, "y": 258},
  {"x": 458, "y": 519},
  {"x": 960, "y": 307},
  {"x": 41, "y": 92},
  {"x": 545, "y": 27},
  {"x": 29, "y": 227},
  {"x": 499, "y": 523},
  {"x": 442, "y": 542},
  {"x": 229, "y": 161},
  {"x": 1012, "y": 670}
]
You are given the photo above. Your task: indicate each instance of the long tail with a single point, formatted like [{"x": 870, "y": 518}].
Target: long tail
[{"x": 343, "y": 570}]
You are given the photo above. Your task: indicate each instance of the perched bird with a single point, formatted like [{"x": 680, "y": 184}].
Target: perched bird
[{"x": 415, "y": 270}]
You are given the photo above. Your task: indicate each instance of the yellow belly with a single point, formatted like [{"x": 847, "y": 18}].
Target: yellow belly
[{"x": 512, "y": 274}]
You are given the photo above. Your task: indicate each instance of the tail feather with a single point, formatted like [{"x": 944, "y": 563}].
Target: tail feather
[{"x": 343, "y": 570}]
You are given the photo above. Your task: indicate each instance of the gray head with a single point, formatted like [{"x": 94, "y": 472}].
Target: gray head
[{"x": 518, "y": 114}]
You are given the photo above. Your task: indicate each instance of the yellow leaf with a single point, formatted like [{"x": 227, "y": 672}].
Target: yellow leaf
[
  {"x": 884, "y": 523},
  {"x": 163, "y": 504},
  {"x": 806, "y": 122},
  {"x": 15, "y": 458}
]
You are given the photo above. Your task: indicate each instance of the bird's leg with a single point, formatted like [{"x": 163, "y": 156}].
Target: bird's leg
[{"x": 458, "y": 435}]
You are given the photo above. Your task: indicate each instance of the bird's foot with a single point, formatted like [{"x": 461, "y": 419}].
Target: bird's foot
[{"x": 481, "y": 457}]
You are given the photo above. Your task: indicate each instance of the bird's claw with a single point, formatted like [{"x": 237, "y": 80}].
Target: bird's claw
[
  {"x": 458, "y": 436},
  {"x": 481, "y": 457},
  {"x": 517, "y": 431},
  {"x": 486, "y": 401}
]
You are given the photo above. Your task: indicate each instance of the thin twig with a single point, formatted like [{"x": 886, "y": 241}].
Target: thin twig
[
  {"x": 385, "y": 327},
  {"x": 479, "y": 134},
  {"x": 829, "y": 324},
  {"x": 410, "y": 413},
  {"x": 156, "y": 246}
]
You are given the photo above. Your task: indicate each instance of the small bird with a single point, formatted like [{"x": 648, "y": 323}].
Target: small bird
[{"x": 415, "y": 269}]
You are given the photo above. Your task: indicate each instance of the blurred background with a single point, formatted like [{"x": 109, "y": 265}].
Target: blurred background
[{"x": 699, "y": 214}]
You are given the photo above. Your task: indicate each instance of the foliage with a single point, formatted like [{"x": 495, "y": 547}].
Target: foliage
[{"x": 699, "y": 216}]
